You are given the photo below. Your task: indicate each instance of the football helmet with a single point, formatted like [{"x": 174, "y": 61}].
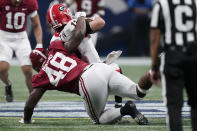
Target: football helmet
[
  {"x": 38, "y": 57},
  {"x": 58, "y": 15}
]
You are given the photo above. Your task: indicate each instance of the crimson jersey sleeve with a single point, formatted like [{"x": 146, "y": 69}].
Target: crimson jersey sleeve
[
  {"x": 61, "y": 70},
  {"x": 32, "y": 5}
]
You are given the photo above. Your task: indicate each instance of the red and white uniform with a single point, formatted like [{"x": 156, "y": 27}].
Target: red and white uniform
[
  {"x": 86, "y": 48},
  {"x": 93, "y": 82},
  {"x": 13, "y": 19},
  {"x": 12, "y": 30},
  {"x": 61, "y": 70}
]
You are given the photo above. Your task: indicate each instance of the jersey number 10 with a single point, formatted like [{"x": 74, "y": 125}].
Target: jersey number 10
[{"x": 15, "y": 24}]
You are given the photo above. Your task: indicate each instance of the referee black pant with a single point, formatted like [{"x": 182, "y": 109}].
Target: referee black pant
[{"x": 179, "y": 71}]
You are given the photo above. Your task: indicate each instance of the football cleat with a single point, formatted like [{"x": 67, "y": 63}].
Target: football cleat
[
  {"x": 8, "y": 93},
  {"x": 141, "y": 119},
  {"x": 79, "y": 14},
  {"x": 118, "y": 105},
  {"x": 130, "y": 109}
]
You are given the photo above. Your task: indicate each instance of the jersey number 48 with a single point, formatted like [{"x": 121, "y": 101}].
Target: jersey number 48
[{"x": 59, "y": 61}]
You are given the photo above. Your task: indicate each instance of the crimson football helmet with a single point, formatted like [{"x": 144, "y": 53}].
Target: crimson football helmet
[
  {"x": 58, "y": 15},
  {"x": 38, "y": 57}
]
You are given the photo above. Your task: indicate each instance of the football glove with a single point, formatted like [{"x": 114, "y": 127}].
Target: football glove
[
  {"x": 37, "y": 57},
  {"x": 111, "y": 57},
  {"x": 79, "y": 14}
]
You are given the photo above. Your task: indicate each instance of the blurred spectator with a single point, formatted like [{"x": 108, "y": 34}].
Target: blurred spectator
[
  {"x": 93, "y": 9},
  {"x": 140, "y": 10}
]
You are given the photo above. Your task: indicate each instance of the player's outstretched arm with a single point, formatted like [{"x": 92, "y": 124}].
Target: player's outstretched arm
[
  {"x": 32, "y": 101},
  {"x": 78, "y": 35}
]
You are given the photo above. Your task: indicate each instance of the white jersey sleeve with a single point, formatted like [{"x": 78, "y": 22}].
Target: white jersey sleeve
[{"x": 67, "y": 32}]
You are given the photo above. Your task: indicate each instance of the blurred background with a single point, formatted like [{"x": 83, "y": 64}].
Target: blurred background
[{"x": 126, "y": 28}]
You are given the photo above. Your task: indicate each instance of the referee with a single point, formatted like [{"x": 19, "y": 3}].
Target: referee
[{"x": 175, "y": 21}]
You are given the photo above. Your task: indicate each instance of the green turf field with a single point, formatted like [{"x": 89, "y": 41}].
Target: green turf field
[{"x": 51, "y": 124}]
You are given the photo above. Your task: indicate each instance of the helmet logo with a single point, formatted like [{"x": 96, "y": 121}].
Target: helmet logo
[{"x": 61, "y": 8}]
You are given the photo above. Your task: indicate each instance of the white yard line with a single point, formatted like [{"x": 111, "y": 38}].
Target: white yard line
[{"x": 75, "y": 109}]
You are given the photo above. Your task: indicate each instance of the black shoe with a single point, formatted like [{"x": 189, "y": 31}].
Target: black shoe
[
  {"x": 8, "y": 93},
  {"x": 118, "y": 105},
  {"x": 130, "y": 109}
]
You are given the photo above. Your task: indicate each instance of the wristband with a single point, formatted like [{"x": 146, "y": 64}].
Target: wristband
[
  {"x": 155, "y": 67},
  {"x": 39, "y": 45},
  {"x": 88, "y": 28}
]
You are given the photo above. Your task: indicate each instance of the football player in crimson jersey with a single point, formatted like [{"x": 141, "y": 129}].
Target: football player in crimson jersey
[
  {"x": 13, "y": 14},
  {"x": 87, "y": 48},
  {"x": 64, "y": 71}
]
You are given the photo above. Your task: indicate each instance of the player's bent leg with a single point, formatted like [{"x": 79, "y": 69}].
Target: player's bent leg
[
  {"x": 121, "y": 85},
  {"x": 93, "y": 87},
  {"x": 118, "y": 99},
  {"x": 94, "y": 91},
  {"x": 27, "y": 71},
  {"x": 4, "y": 67},
  {"x": 94, "y": 98},
  {"x": 110, "y": 116}
]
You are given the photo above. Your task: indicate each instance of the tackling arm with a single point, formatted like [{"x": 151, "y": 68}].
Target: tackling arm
[
  {"x": 34, "y": 97},
  {"x": 78, "y": 35}
]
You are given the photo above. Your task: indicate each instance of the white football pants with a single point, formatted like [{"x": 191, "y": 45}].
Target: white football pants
[{"x": 96, "y": 84}]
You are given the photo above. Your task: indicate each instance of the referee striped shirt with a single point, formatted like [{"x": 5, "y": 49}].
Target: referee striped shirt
[{"x": 177, "y": 21}]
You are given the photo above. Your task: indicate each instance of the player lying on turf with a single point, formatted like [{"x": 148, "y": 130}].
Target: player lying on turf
[{"x": 64, "y": 71}]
